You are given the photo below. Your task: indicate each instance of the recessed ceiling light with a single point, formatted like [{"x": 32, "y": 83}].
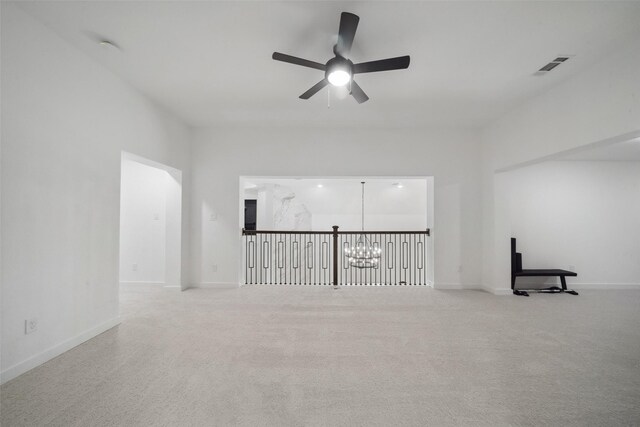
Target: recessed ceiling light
[
  {"x": 397, "y": 185},
  {"x": 320, "y": 186}
]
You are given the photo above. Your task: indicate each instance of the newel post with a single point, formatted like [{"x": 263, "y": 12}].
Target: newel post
[{"x": 335, "y": 257}]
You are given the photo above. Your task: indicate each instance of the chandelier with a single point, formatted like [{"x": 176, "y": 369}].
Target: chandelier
[{"x": 363, "y": 254}]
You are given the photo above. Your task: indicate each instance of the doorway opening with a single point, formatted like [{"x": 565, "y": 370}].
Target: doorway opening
[
  {"x": 150, "y": 223},
  {"x": 250, "y": 212}
]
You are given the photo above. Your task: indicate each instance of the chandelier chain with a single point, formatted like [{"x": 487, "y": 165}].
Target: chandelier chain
[
  {"x": 362, "y": 205},
  {"x": 363, "y": 254}
]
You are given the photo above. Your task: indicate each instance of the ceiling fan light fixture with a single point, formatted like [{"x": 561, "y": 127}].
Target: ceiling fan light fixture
[
  {"x": 339, "y": 77},
  {"x": 339, "y": 70}
]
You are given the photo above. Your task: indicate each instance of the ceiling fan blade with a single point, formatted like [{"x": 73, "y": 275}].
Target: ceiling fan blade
[
  {"x": 346, "y": 33},
  {"x": 297, "y": 61},
  {"x": 397, "y": 63},
  {"x": 358, "y": 93},
  {"x": 308, "y": 94}
]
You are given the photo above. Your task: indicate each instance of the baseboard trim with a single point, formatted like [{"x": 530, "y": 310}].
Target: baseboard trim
[
  {"x": 387, "y": 285},
  {"x": 214, "y": 285},
  {"x": 460, "y": 287},
  {"x": 456, "y": 286},
  {"x": 585, "y": 286},
  {"x": 37, "y": 360},
  {"x": 604, "y": 286},
  {"x": 143, "y": 283},
  {"x": 448, "y": 286},
  {"x": 229, "y": 285},
  {"x": 576, "y": 286},
  {"x": 499, "y": 291}
]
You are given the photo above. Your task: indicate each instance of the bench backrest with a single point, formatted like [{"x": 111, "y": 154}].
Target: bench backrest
[{"x": 516, "y": 258}]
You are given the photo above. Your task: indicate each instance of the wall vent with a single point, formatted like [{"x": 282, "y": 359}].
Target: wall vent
[{"x": 551, "y": 65}]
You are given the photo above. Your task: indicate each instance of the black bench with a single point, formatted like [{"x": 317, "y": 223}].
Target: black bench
[{"x": 517, "y": 271}]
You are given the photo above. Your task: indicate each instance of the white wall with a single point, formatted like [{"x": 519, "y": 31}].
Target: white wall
[
  {"x": 65, "y": 121},
  {"x": 600, "y": 105},
  {"x": 143, "y": 222},
  {"x": 221, "y": 156},
  {"x": 173, "y": 264},
  {"x": 578, "y": 215},
  {"x": 338, "y": 202}
]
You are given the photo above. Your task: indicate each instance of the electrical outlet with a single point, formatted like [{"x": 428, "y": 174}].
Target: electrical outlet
[
  {"x": 214, "y": 268},
  {"x": 134, "y": 267},
  {"x": 156, "y": 217},
  {"x": 213, "y": 216},
  {"x": 30, "y": 325}
]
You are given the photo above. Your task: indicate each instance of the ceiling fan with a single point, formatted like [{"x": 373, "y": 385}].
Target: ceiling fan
[{"x": 339, "y": 70}]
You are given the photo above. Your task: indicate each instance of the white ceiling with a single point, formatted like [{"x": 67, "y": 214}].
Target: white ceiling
[
  {"x": 628, "y": 151},
  {"x": 210, "y": 62}
]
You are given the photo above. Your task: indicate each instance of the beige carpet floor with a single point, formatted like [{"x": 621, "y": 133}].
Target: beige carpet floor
[{"x": 314, "y": 356}]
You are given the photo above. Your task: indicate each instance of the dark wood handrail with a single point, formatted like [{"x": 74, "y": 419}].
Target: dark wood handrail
[
  {"x": 427, "y": 232},
  {"x": 254, "y": 232}
]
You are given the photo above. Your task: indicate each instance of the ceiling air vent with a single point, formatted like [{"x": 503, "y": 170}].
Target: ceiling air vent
[{"x": 551, "y": 65}]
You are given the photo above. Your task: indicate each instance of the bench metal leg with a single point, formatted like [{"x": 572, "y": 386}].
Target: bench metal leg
[
  {"x": 551, "y": 290},
  {"x": 564, "y": 286},
  {"x": 515, "y": 291}
]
